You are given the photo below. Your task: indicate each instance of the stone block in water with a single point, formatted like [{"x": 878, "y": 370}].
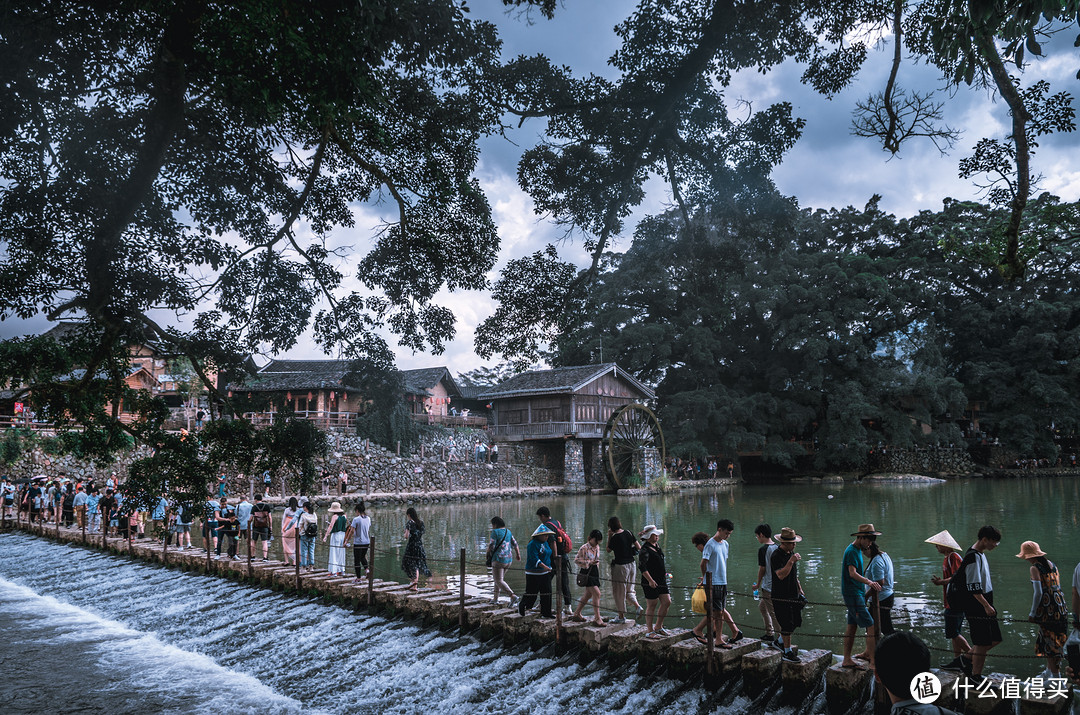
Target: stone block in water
[
  {"x": 801, "y": 678},
  {"x": 595, "y": 637},
  {"x": 845, "y": 687},
  {"x": 996, "y": 705},
  {"x": 622, "y": 645},
  {"x": 1044, "y": 705},
  {"x": 760, "y": 669}
]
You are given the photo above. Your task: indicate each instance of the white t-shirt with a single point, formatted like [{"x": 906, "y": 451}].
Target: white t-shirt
[
  {"x": 361, "y": 526},
  {"x": 716, "y": 552}
]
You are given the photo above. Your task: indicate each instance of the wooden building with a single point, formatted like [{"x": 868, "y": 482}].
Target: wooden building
[{"x": 562, "y": 413}]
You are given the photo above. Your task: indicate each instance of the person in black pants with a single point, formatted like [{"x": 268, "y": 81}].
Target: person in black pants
[
  {"x": 538, "y": 573},
  {"x": 562, "y": 554}
]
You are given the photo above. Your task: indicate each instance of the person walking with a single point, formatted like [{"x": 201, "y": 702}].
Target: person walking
[
  {"x": 502, "y": 550},
  {"x": 182, "y": 526},
  {"x": 68, "y": 505},
  {"x": 588, "y": 560},
  {"x": 562, "y": 546},
  {"x": 714, "y": 556},
  {"x": 879, "y": 568},
  {"x": 538, "y": 573},
  {"x": 654, "y": 581},
  {"x": 93, "y": 508},
  {"x": 624, "y": 549},
  {"x": 289, "y": 519},
  {"x": 80, "y": 506},
  {"x": 973, "y": 587},
  {"x": 210, "y": 524},
  {"x": 359, "y": 535},
  {"x": 243, "y": 517},
  {"x": 948, "y": 547},
  {"x": 852, "y": 582},
  {"x": 262, "y": 525},
  {"x": 414, "y": 560},
  {"x": 788, "y": 597},
  {"x": 1048, "y": 608},
  {"x": 308, "y": 525},
  {"x": 336, "y": 527},
  {"x": 266, "y": 482},
  {"x": 228, "y": 528},
  {"x": 763, "y": 585}
]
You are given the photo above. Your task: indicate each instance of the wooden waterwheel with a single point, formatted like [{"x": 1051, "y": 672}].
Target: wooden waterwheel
[{"x": 629, "y": 432}]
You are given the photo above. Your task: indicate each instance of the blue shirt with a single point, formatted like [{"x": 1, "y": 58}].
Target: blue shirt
[
  {"x": 243, "y": 513},
  {"x": 92, "y": 503},
  {"x": 538, "y": 553},
  {"x": 881, "y": 569},
  {"x": 715, "y": 552},
  {"x": 80, "y": 498},
  {"x": 848, "y": 585},
  {"x": 159, "y": 510}
]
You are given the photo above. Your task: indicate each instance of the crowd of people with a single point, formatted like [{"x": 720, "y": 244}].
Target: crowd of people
[{"x": 867, "y": 583}]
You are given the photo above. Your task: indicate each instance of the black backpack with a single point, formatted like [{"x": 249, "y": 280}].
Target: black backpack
[{"x": 311, "y": 530}]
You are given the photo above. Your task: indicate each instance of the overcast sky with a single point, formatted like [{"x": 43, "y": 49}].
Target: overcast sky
[{"x": 828, "y": 167}]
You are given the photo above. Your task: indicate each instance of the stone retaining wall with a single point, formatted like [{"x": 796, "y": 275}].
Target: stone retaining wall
[{"x": 934, "y": 460}]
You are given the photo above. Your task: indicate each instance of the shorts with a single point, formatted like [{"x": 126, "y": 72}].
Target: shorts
[
  {"x": 857, "y": 612},
  {"x": 954, "y": 619},
  {"x": 593, "y": 577},
  {"x": 181, "y": 528},
  {"x": 651, "y": 594},
  {"x": 985, "y": 630},
  {"x": 788, "y": 615},
  {"x": 719, "y": 597},
  {"x": 261, "y": 535}
]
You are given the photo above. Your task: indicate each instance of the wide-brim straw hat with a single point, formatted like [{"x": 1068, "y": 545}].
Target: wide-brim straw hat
[
  {"x": 335, "y": 508},
  {"x": 788, "y": 534},
  {"x": 650, "y": 530},
  {"x": 542, "y": 529},
  {"x": 944, "y": 538},
  {"x": 866, "y": 530},
  {"x": 1030, "y": 549}
]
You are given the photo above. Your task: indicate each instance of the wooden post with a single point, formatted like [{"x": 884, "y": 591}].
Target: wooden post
[
  {"x": 82, "y": 524},
  {"x": 710, "y": 667},
  {"x": 461, "y": 593},
  {"x": 556, "y": 597},
  {"x": 500, "y": 482},
  {"x": 399, "y": 448},
  {"x": 476, "y": 482},
  {"x": 128, "y": 532},
  {"x": 371, "y": 573},
  {"x": 105, "y": 530},
  {"x": 421, "y": 451},
  {"x": 297, "y": 552},
  {"x": 251, "y": 487},
  {"x": 165, "y": 541},
  {"x": 209, "y": 539},
  {"x": 517, "y": 476},
  {"x": 249, "y": 547},
  {"x": 368, "y": 477}
]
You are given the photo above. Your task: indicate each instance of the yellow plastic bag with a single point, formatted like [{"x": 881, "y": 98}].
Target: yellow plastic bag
[{"x": 697, "y": 601}]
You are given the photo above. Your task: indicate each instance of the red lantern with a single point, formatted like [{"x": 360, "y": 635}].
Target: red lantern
[
  {"x": 288, "y": 396},
  {"x": 332, "y": 397},
  {"x": 310, "y": 396}
]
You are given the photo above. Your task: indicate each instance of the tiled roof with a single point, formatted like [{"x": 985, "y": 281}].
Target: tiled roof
[
  {"x": 559, "y": 380},
  {"x": 420, "y": 381},
  {"x": 323, "y": 374}
]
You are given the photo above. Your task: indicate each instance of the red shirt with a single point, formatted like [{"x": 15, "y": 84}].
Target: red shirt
[{"x": 948, "y": 568}]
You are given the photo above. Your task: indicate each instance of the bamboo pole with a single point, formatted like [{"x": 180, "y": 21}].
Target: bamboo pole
[
  {"x": 710, "y": 666},
  {"x": 461, "y": 593},
  {"x": 371, "y": 574}
]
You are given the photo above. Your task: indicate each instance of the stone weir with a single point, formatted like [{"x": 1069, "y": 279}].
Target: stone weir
[{"x": 749, "y": 666}]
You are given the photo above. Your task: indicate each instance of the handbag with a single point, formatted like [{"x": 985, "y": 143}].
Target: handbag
[
  {"x": 494, "y": 549},
  {"x": 697, "y": 601},
  {"x": 583, "y": 578}
]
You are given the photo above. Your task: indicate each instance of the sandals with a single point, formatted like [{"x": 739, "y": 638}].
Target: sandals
[
  {"x": 701, "y": 639},
  {"x": 578, "y": 619}
]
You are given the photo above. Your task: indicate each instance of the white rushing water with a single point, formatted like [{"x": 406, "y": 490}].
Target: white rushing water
[{"x": 88, "y": 632}]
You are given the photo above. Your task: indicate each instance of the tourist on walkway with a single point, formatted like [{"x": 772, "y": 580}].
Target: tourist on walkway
[
  {"x": 336, "y": 527},
  {"x": 561, "y": 546},
  {"x": 289, "y": 519},
  {"x": 976, "y": 592},
  {"x": 243, "y": 517},
  {"x": 879, "y": 568},
  {"x": 714, "y": 555},
  {"x": 624, "y": 549},
  {"x": 763, "y": 585},
  {"x": 788, "y": 597},
  {"x": 538, "y": 573},
  {"x": 852, "y": 582},
  {"x": 93, "y": 508},
  {"x": 501, "y": 551},
  {"x": 900, "y": 658},
  {"x": 266, "y": 482},
  {"x": 108, "y": 506},
  {"x": 414, "y": 560},
  {"x": 588, "y": 560},
  {"x": 158, "y": 517},
  {"x": 80, "y": 506},
  {"x": 262, "y": 525},
  {"x": 948, "y": 547},
  {"x": 1047, "y": 607},
  {"x": 359, "y": 535},
  {"x": 210, "y": 525},
  {"x": 182, "y": 527},
  {"x": 228, "y": 528},
  {"x": 68, "y": 505},
  {"x": 308, "y": 525},
  {"x": 654, "y": 581},
  {"x": 221, "y": 487}
]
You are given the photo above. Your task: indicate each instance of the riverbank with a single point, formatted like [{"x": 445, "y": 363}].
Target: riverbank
[{"x": 750, "y": 666}]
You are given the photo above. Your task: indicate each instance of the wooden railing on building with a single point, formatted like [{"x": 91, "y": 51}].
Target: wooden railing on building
[
  {"x": 322, "y": 418},
  {"x": 548, "y": 430}
]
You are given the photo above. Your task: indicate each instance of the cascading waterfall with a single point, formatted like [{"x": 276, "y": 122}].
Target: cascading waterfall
[{"x": 90, "y": 632}]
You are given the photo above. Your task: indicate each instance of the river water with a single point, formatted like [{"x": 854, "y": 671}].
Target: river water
[{"x": 132, "y": 637}]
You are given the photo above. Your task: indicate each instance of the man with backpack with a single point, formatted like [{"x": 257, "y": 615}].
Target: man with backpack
[
  {"x": 972, "y": 590},
  {"x": 228, "y": 527},
  {"x": 262, "y": 524},
  {"x": 564, "y": 546}
]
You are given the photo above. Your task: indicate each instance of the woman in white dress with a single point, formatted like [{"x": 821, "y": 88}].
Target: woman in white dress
[{"x": 335, "y": 532}]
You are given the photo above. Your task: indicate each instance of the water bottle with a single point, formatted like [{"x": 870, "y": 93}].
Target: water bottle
[{"x": 757, "y": 592}]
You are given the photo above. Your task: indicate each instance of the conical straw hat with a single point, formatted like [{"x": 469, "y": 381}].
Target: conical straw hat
[{"x": 944, "y": 538}]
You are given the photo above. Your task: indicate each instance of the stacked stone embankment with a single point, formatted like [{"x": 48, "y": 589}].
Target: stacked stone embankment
[{"x": 749, "y": 665}]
